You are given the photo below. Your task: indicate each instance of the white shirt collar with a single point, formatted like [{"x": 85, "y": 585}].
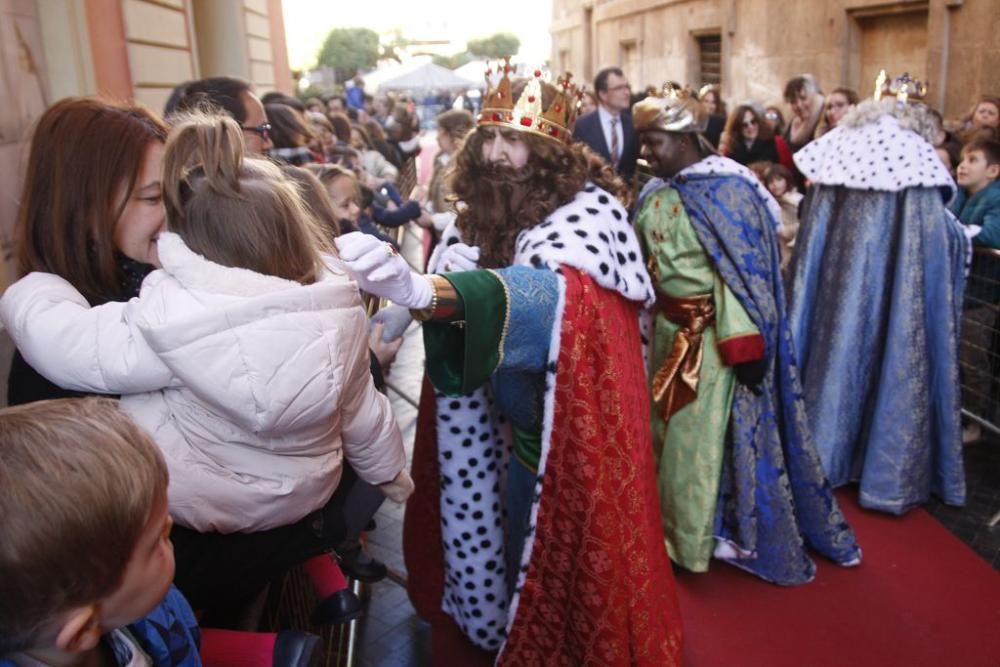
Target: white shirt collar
[{"x": 606, "y": 116}]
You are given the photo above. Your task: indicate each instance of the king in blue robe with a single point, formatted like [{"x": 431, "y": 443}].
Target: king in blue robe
[{"x": 875, "y": 304}]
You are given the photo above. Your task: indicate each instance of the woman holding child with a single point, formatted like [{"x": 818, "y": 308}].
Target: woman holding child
[{"x": 245, "y": 356}]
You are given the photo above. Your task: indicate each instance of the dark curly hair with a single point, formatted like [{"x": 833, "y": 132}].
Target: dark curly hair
[{"x": 502, "y": 201}]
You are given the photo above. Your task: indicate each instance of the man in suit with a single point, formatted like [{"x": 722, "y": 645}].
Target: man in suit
[{"x": 609, "y": 130}]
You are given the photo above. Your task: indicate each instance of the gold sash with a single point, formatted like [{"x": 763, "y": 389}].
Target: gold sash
[{"x": 676, "y": 382}]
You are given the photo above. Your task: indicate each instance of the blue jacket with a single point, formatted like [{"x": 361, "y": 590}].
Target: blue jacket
[
  {"x": 168, "y": 634},
  {"x": 983, "y": 209}
]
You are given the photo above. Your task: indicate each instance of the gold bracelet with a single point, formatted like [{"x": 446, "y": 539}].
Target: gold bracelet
[
  {"x": 446, "y": 305},
  {"x": 424, "y": 314}
]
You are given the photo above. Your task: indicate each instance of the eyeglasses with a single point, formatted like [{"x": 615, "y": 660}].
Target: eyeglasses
[
  {"x": 771, "y": 115},
  {"x": 750, "y": 123},
  {"x": 264, "y": 130},
  {"x": 623, "y": 86}
]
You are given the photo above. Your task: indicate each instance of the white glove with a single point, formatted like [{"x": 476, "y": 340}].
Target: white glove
[
  {"x": 380, "y": 270},
  {"x": 459, "y": 257},
  {"x": 395, "y": 319}
]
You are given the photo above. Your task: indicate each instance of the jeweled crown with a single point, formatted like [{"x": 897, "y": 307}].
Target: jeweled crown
[
  {"x": 526, "y": 113},
  {"x": 904, "y": 87}
]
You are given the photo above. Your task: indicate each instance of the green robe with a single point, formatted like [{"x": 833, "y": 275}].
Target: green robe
[{"x": 692, "y": 443}]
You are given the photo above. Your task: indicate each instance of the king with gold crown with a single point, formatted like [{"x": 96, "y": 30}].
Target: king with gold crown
[
  {"x": 876, "y": 299},
  {"x": 534, "y": 534}
]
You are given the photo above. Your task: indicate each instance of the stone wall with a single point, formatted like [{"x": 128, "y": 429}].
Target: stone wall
[
  {"x": 139, "y": 49},
  {"x": 953, "y": 44}
]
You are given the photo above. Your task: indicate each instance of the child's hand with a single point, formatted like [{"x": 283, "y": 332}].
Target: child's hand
[
  {"x": 384, "y": 351},
  {"x": 425, "y": 220},
  {"x": 399, "y": 489}
]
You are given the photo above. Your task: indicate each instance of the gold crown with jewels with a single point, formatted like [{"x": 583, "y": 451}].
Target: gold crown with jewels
[
  {"x": 526, "y": 113},
  {"x": 904, "y": 87}
]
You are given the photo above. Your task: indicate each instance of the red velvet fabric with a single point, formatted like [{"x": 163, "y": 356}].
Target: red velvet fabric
[
  {"x": 232, "y": 648},
  {"x": 740, "y": 349},
  {"x": 325, "y": 575},
  {"x": 599, "y": 588}
]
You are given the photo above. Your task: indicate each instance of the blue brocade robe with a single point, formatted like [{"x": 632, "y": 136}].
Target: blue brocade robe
[
  {"x": 875, "y": 305},
  {"x": 876, "y": 300},
  {"x": 774, "y": 499}
]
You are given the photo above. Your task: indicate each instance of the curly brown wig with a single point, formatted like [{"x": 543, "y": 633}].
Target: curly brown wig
[{"x": 502, "y": 201}]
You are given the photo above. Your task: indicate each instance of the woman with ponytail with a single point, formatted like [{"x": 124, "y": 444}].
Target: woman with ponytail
[{"x": 244, "y": 356}]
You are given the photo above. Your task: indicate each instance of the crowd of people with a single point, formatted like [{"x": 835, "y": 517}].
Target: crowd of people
[{"x": 655, "y": 331}]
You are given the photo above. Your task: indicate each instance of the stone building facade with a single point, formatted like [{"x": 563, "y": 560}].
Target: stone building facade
[
  {"x": 751, "y": 47},
  {"x": 123, "y": 49}
]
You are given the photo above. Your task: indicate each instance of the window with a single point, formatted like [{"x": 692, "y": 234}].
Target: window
[{"x": 709, "y": 58}]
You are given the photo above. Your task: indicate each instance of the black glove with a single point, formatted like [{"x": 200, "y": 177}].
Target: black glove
[{"x": 751, "y": 373}]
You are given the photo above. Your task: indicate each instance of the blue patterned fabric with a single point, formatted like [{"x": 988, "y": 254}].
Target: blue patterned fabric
[
  {"x": 168, "y": 634},
  {"x": 875, "y": 307},
  {"x": 519, "y": 382},
  {"x": 774, "y": 498}
]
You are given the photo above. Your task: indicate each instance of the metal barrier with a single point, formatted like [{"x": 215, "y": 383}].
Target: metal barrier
[
  {"x": 979, "y": 347},
  {"x": 289, "y": 605}
]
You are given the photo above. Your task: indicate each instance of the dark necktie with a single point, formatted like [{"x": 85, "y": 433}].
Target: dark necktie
[{"x": 615, "y": 149}]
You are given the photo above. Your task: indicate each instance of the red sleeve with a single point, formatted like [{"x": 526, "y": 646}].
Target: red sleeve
[
  {"x": 739, "y": 349},
  {"x": 784, "y": 154}
]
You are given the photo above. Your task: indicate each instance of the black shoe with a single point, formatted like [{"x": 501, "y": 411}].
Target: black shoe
[
  {"x": 356, "y": 564},
  {"x": 341, "y": 607},
  {"x": 296, "y": 649}
]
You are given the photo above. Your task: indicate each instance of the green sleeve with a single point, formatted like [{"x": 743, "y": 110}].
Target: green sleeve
[
  {"x": 731, "y": 319},
  {"x": 462, "y": 356},
  {"x": 738, "y": 338}
]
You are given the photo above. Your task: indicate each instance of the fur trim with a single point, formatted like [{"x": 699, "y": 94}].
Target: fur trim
[
  {"x": 473, "y": 442},
  {"x": 913, "y": 117},
  {"x": 873, "y": 149},
  {"x": 592, "y": 233}
]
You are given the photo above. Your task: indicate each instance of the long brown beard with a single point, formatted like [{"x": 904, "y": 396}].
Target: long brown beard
[
  {"x": 502, "y": 201},
  {"x": 501, "y": 206}
]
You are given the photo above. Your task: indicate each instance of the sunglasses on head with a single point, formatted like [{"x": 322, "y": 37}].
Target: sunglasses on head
[{"x": 264, "y": 129}]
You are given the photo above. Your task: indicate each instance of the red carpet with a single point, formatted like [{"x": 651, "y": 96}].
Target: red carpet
[{"x": 920, "y": 597}]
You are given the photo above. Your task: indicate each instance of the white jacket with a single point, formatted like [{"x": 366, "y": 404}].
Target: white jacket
[{"x": 253, "y": 386}]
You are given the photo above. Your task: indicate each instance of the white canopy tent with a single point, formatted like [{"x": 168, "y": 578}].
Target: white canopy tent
[{"x": 426, "y": 77}]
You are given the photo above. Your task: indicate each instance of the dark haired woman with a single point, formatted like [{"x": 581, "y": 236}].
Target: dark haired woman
[
  {"x": 290, "y": 134},
  {"x": 91, "y": 211},
  {"x": 749, "y": 139},
  {"x": 802, "y": 93}
]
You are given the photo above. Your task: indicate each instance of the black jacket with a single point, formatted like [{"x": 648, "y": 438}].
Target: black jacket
[{"x": 588, "y": 130}]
